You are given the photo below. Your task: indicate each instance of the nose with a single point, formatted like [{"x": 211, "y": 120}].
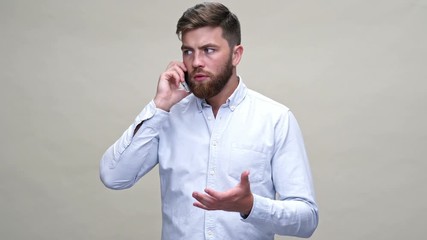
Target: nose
[{"x": 198, "y": 60}]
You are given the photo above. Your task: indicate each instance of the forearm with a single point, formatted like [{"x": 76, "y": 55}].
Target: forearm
[
  {"x": 291, "y": 217},
  {"x": 294, "y": 211},
  {"x": 121, "y": 166},
  {"x": 134, "y": 153}
]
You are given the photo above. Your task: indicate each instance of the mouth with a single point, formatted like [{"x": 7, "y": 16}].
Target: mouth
[{"x": 199, "y": 77}]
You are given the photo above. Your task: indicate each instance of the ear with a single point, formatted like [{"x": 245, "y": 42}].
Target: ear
[{"x": 237, "y": 54}]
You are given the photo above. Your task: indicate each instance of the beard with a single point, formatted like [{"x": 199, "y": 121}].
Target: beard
[{"x": 211, "y": 88}]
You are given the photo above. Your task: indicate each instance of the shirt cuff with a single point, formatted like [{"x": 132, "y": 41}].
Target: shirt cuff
[
  {"x": 149, "y": 116},
  {"x": 260, "y": 210}
]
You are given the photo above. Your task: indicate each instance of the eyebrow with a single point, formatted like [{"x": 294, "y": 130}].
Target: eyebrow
[{"x": 183, "y": 47}]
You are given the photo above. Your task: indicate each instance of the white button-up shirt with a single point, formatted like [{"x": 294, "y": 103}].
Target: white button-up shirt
[{"x": 195, "y": 150}]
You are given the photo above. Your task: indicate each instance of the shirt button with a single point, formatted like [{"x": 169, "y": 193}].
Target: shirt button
[
  {"x": 212, "y": 172},
  {"x": 214, "y": 143},
  {"x": 209, "y": 118},
  {"x": 232, "y": 108}
]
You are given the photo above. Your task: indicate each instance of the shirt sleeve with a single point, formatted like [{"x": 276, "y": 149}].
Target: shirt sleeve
[
  {"x": 294, "y": 211},
  {"x": 132, "y": 156}
]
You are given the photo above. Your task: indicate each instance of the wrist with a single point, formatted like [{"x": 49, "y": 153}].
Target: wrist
[
  {"x": 245, "y": 213},
  {"x": 161, "y": 104}
]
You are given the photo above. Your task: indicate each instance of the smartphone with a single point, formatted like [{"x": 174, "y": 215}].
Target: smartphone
[{"x": 185, "y": 84}]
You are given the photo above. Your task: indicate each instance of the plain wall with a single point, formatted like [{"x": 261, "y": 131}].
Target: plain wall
[{"x": 74, "y": 74}]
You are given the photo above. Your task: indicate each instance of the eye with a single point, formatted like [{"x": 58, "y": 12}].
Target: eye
[
  {"x": 187, "y": 52},
  {"x": 209, "y": 50}
]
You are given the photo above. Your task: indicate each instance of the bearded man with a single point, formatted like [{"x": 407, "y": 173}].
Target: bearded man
[{"x": 232, "y": 162}]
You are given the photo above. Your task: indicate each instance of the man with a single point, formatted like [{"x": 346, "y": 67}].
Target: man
[{"x": 232, "y": 162}]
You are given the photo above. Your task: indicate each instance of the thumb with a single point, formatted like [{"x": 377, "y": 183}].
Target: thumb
[{"x": 244, "y": 178}]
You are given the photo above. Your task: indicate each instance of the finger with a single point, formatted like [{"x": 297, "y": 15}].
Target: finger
[
  {"x": 215, "y": 194},
  {"x": 200, "y": 205},
  {"x": 179, "y": 67},
  {"x": 175, "y": 63},
  {"x": 203, "y": 198},
  {"x": 181, "y": 74},
  {"x": 173, "y": 77}
]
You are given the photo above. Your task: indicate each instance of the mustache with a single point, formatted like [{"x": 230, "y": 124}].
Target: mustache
[{"x": 200, "y": 71}]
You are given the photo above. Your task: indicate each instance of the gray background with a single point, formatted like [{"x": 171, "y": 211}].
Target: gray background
[{"x": 74, "y": 74}]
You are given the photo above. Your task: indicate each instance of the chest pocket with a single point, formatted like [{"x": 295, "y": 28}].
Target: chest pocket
[{"x": 247, "y": 157}]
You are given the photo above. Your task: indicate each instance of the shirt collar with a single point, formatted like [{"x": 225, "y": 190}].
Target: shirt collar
[{"x": 233, "y": 101}]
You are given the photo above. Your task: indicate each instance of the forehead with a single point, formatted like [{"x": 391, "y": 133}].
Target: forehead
[{"x": 203, "y": 36}]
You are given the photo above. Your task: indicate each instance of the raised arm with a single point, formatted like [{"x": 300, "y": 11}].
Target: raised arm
[{"x": 135, "y": 152}]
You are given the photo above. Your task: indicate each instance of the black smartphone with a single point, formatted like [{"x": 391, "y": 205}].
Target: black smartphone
[{"x": 185, "y": 84}]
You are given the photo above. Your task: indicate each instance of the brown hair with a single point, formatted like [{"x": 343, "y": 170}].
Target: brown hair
[{"x": 211, "y": 14}]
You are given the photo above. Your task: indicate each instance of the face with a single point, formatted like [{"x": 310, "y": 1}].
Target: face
[{"x": 208, "y": 59}]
